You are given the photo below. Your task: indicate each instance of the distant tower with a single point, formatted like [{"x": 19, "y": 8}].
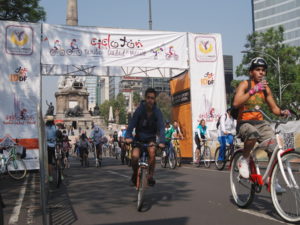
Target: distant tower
[{"x": 72, "y": 13}]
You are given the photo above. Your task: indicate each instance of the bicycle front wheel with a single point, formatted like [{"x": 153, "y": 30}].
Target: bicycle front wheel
[
  {"x": 206, "y": 156},
  {"x": 141, "y": 185},
  {"x": 286, "y": 199},
  {"x": 172, "y": 159},
  {"x": 220, "y": 164},
  {"x": 16, "y": 168},
  {"x": 242, "y": 189}
]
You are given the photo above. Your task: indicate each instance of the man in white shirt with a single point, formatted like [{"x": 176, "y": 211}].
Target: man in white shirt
[{"x": 226, "y": 130}]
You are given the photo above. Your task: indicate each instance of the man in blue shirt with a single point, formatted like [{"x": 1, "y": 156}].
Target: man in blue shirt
[
  {"x": 51, "y": 134},
  {"x": 148, "y": 123},
  {"x": 96, "y": 135}
]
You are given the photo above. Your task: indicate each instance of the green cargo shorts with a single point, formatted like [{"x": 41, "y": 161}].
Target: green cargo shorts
[{"x": 261, "y": 131}]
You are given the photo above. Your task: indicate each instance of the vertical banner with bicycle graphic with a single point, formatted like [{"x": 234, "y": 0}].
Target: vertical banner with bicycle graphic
[
  {"x": 73, "y": 45},
  {"x": 208, "y": 95},
  {"x": 20, "y": 83}
]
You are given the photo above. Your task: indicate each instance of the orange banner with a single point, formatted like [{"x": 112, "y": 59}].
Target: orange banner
[
  {"x": 28, "y": 143},
  {"x": 181, "y": 111}
]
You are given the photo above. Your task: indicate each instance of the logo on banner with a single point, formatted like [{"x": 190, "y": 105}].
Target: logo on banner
[
  {"x": 72, "y": 50},
  {"x": 207, "y": 111},
  {"x": 208, "y": 79},
  {"x": 20, "y": 75},
  {"x": 170, "y": 53},
  {"x": 23, "y": 112},
  {"x": 205, "y": 49},
  {"x": 19, "y": 40}
]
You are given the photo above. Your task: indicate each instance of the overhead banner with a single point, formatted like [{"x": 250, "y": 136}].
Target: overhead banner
[
  {"x": 20, "y": 86},
  {"x": 75, "y": 45},
  {"x": 208, "y": 95}
]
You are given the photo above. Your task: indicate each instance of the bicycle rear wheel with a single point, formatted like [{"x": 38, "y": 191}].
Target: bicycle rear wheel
[
  {"x": 16, "y": 168},
  {"x": 242, "y": 189},
  {"x": 220, "y": 164},
  {"x": 141, "y": 185},
  {"x": 286, "y": 199},
  {"x": 206, "y": 156},
  {"x": 178, "y": 157},
  {"x": 163, "y": 160},
  {"x": 172, "y": 159}
]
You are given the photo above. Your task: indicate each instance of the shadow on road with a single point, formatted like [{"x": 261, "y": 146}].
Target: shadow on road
[
  {"x": 106, "y": 189},
  {"x": 177, "y": 221}
]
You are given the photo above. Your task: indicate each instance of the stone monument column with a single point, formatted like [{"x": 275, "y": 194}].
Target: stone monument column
[{"x": 72, "y": 13}]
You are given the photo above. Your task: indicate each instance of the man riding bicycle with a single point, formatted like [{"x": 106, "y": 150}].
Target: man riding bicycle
[
  {"x": 148, "y": 123},
  {"x": 251, "y": 126},
  {"x": 169, "y": 130},
  {"x": 96, "y": 136}
]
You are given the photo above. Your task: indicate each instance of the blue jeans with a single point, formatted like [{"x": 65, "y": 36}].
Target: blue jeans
[{"x": 222, "y": 140}]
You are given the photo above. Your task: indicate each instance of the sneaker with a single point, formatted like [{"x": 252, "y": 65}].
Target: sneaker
[
  {"x": 151, "y": 181},
  {"x": 278, "y": 188},
  {"x": 243, "y": 165},
  {"x": 50, "y": 179}
]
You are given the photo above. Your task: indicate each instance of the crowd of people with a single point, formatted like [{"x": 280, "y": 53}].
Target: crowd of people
[{"x": 148, "y": 126}]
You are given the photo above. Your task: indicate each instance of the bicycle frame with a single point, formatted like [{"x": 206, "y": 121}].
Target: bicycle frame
[{"x": 275, "y": 157}]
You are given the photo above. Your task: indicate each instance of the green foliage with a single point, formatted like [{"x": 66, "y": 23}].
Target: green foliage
[
  {"x": 163, "y": 101},
  {"x": 22, "y": 11},
  {"x": 136, "y": 98},
  {"x": 270, "y": 46},
  {"x": 119, "y": 109}
]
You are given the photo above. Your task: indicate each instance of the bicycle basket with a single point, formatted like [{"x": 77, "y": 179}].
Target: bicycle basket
[{"x": 290, "y": 133}]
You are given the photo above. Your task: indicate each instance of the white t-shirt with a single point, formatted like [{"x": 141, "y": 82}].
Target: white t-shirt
[{"x": 227, "y": 124}]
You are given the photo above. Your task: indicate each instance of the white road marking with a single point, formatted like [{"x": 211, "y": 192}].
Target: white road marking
[
  {"x": 212, "y": 170},
  {"x": 113, "y": 172},
  {"x": 30, "y": 209},
  {"x": 260, "y": 215},
  {"x": 16, "y": 211}
]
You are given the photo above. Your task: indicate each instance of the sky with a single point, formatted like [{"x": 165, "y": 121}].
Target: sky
[{"x": 231, "y": 18}]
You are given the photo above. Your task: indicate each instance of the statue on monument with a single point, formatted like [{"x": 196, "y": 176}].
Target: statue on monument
[
  {"x": 67, "y": 82},
  {"x": 50, "y": 110},
  {"x": 74, "y": 112}
]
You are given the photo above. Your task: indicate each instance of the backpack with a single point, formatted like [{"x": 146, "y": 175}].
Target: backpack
[
  {"x": 234, "y": 112},
  {"x": 218, "y": 123}
]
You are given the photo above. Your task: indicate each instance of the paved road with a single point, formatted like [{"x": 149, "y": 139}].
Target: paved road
[{"x": 184, "y": 196}]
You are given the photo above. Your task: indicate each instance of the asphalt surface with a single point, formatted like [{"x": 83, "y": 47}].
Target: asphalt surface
[{"x": 183, "y": 196}]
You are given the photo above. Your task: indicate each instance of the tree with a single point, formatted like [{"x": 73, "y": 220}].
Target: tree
[
  {"x": 22, "y": 11},
  {"x": 136, "y": 98},
  {"x": 163, "y": 101},
  {"x": 270, "y": 43}
]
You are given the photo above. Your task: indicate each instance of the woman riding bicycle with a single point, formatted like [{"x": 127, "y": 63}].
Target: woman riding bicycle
[
  {"x": 251, "y": 126},
  {"x": 200, "y": 134}
]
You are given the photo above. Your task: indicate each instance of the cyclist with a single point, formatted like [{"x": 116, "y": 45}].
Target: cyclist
[
  {"x": 51, "y": 134},
  {"x": 148, "y": 123},
  {"x": 200, "y": 133},
  {"x": 169, "y": 131},
  {"x": 250, "y": 125},
  {"x": 226, "y": 129},
  {"x": 177, "y": 132},
  {"x": 96, "y": 136},
  {"x": 121, "y": 137}
]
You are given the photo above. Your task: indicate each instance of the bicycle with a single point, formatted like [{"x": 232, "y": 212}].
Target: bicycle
[
  {"x": 59, "y": 164},
  {"x": 142, "y": 181},
  {"x": 168, "y": 156},
  {"x": 206, "y": 154},
  {"x": 220, "y": 164},
  {"x": 283, "y": 169},
  {"x": 177, "y": 151},
  {"x": 13, "y": 164}
]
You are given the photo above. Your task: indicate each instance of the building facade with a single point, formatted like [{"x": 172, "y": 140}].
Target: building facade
[{"x": 273, "y": 13}]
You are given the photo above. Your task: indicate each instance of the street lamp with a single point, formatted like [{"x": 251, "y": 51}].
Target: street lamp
[{"x": 277, "y": 67}]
